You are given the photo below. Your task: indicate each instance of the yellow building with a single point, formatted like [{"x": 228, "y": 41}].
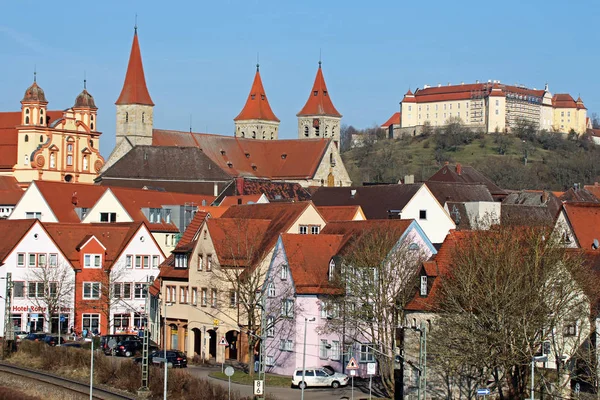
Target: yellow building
[
  {"x": 492, "y": 107},
  {"x": 41, "y": 144}
]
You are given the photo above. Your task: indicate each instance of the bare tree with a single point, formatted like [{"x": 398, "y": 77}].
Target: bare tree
[
  {"x": 378, "y": 276},
  {"x": 51, "y": 287},
  {"x": 509, "y": 291}
]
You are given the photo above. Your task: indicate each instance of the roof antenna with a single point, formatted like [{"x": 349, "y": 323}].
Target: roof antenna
[
  {"x": 34, "y": 73},
  {"x": 319, "y": 57},
  {"x": 257, "y": 60},
  {"x": 135, "y": 26},
  {"x": 84, "y": 81}
]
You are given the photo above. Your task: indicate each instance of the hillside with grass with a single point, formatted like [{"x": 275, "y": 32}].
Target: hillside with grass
[{"x": 525, "y": 159}]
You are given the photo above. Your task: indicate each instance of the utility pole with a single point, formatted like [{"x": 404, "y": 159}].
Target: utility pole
[
  {"x": 263, "y": 345},
  {"x": 8, "y": 327},
  {"x": 399, "y": 372},
  {"x": 146, "y": 339}
]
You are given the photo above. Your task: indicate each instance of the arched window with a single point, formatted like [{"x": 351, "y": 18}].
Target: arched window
[
  {"x": 326, "y": 129},
  {"x": 41, "y": 138},
  {"x": 253, "y": 134},
  {"x": 306, "y": 131},
  {"x": 91, "y": 143},
  {"x": 92, "y": 117},
  {"x": 27, "y": 136},
  {"x": 42, "y": 111},
  {"x": 126, "y": 117},
  {"x": 52, "y": 160},
  {"x": 27, "y": 111},
  {"x": 316, "y": 131},
  {"x": 41, "y": 120},
  {"x": 143, "y": 117},
  {"x": 85, "y": 163},
  {"x": 92, "y": 126},
  {"x": 27, "y": 120},
  {"x": 331, "y": 272},
  {"x": 243, "y": 134}
]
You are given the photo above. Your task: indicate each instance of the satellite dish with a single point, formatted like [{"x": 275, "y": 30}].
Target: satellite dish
[{"x": 595, "y": 244}]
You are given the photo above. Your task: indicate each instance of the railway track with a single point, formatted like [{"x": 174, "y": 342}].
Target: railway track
[{"x": 69, "y": 384}]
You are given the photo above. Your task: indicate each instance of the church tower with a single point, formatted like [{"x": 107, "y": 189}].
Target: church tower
[
  {"x": 134, "y": 105},
  {"x": 135, "y": 108},
  {"x": 319, "y": 117},
  {"x": 257, "y": 120}
]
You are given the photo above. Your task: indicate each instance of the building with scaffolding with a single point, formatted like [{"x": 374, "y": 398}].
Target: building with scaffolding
[{"x": 491, "y": 107}]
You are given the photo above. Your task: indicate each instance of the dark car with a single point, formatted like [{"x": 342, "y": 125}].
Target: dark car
[
  {"x": 71, "y": 344},
  {"x": 50, "y": 340},
  {"x": 174, "y": 357},
  {"x": 129, "y": 348},
  {"x": 108, "y": 342},
  {"x": 36, "y": 337}
]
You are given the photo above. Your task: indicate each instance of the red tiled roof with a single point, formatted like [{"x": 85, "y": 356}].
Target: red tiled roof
[
  {"x": 11, "y": 232},
  {"x": 273, "y": 159},
  {"x": 436, "y": 268},
  {"x": 580, "y": 105},
  {"x": 319, "y": 102},
  {"x": 467, "y": 91},
  {"x": 63, "y": 198},
  {"x": 134, "y": 89},
  {"x": 584, "y": 219},
  {"x": 339, "y": 213},
  {"x": 241, "y": 242},
  {"x": 563, "y": 100},
  {"x": 10, "y": 191},
  {"x": 465, "y": 174},
  {"x": 594, "y": 189},
  {"x": 394, "y": 119},
  {"x": 114, "y": 237},
  {"x": 353, "y": 230},
  {"x": 257, "y": 105},
  {"x": 238, "y": 200},
  {"x": 192, "y": 229},
  {"x": 309, "y": 257}
]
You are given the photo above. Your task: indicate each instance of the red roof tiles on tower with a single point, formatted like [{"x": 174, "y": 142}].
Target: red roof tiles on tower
[
  {"x": 134, "y": 89},
  {"x": 257, "y": 106},
  {"x": 319, "y": 102}
]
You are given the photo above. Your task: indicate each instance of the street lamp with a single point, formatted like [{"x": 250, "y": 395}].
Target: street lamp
[
  {"x": 303, "y": 383},
  {"x": 535, "y": 359},
  {"x": 165, "y": 344}
]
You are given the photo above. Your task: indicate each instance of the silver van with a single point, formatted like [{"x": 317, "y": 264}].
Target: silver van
[{"x": 318, "y": 377}]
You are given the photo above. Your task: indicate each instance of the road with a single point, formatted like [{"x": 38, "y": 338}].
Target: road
[{"x": 285, "y": 393}]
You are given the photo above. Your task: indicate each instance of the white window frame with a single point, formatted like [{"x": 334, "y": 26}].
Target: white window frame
[
  {"x": 284, "y": 271},
  {"x": 92, "y": 288},
  {"x": 335, "y": 350},
  {"x": 303, "y": 229},
  {"x": 155, "y": 262},
  {"x": 214, "y": 297},
  {"x": 367, "y": 353},
  {"x": 92, "y": 260},
  {"x": 315, "y": 229},
  {"x": 270, "y": 326},
  {"x": 323, "y": 350},
  {"x": 270, "y": 360},
  {"x": 21, "y": 260},
  {"x": 271, "y": 289},
  {"x": 423, "y": 290}
]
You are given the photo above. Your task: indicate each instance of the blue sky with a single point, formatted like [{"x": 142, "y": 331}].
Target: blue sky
[{"x": 199, "y": 57}]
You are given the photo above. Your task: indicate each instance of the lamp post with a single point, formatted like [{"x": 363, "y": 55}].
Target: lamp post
[
  {"x": 165, "y": 354},
  {"x": 303, "y": 383},
  {"x": 533, "y": 361},
  {"x": 92, "y": 371}
]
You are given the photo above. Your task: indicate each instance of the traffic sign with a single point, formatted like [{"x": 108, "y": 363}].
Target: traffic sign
[
  {"x": 483, "y": 392},
  {"x": 259, "y": 387},
  {"x": 229, "y": 370},
  {"x": 371, "y": 368},
  {"x": 352, "y": 372},
  {"x": 352, "y": 364},
  {"x": 63, "y": 318},
  {"x": 223, "y": 342},
  {"x": 215, "y": 322}
]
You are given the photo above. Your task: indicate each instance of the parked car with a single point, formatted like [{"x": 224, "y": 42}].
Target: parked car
[
  {"x": 108, "y": 342},
  {"x": 36, "y": 337},
  {"x": 318, "y": 377},
  {"x": 50, "y": 340},
  {"x": 129, "y": 348},
  {"x": 71, "y": 344},
  {"x": 174, "y": 357}
]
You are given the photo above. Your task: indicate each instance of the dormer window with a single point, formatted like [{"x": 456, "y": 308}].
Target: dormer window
[
  {"x": 331, "y": 271},
  {"x": 247, "y": 154},
  {"x": 283, "y": 156},
  {"x": 316, "y": 92},
  {"x": 222, "y": 152},
  {"x": 252, "y": 96},
  {"x": 181, "y": 261},
  {"x": 229, "y": 164},
  {"x": 324, "y": 92},
  {"x": 92, "y": 261},
  {"x": 423, "y": 289},
  {"x": 262, "y": 96}
]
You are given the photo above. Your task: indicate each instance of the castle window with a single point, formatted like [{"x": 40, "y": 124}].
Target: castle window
[
  {"x": 41, "y": 138},
  {"x": 126, "y": 117},
  {"x": 316, "y": 131},
  {"x": 27, "y": 136},
  {"x": 306, "y": 131},
  {"x": 316, "y": 92}
]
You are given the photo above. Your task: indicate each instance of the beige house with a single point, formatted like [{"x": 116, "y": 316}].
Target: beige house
[{"x": 199, "y": 280}]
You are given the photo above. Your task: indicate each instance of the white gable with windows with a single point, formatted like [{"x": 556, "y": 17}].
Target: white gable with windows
[
  {"x": 429, "y": 214},
  {"x": 33, "y": 205},
  {"x": 136, "y": 266},
  {"x": 107, "y": 209},
  {"x": 29, "y": 311}
]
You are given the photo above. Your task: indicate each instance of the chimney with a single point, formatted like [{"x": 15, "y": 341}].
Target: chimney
[
  {"x": 215, "y": 189},
  {"x": 239, "y": 186},
  {"x": 458, "y": 168},
  {"x": 74, "y": 199}
]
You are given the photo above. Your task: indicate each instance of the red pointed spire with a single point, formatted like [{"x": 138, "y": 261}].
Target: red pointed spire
[
  {"x": 319, "y": 102},
  {"x": 257, "y": 106},
  {"x": 134, "y": 88}
]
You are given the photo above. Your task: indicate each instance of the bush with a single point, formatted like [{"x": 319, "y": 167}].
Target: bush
[{"x": 12, "y": 394}]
